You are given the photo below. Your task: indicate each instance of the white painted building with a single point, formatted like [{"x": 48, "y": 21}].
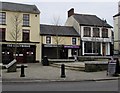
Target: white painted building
[
  {"x": 96, "y": 34},
  {"x": 117, "y": 31}
]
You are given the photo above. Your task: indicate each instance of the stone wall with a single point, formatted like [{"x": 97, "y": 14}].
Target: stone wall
[{"x": 94, "y": 66}]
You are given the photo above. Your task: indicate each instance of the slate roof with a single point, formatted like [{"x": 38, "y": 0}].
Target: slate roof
[
  {"x": 16, "y": 7},
  {"x": 90, "y": 20},
  {"x": 58, "y": 30},
  {"x": 117, "y": 14}
]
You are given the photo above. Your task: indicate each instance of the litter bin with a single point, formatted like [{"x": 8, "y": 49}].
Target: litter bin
[
  {"x": 117, "y": 70},
  {"x": 45, "y": 61}
]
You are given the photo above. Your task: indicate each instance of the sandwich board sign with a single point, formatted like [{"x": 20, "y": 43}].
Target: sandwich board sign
[{"x": 111, "y": 67}]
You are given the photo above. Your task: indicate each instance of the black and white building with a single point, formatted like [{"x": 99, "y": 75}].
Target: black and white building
[{"x": 95, "y": 34}]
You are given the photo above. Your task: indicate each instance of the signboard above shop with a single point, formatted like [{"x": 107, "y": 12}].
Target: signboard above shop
[
  {"x": 18, "y": 45},
  {"x": 96, "y": 39},
  {"x": 71, "y": 46},
  {"x": 50, "y": 45}
]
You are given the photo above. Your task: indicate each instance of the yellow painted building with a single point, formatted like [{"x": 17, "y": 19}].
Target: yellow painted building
[
  {"x": 59, "y": 41},
  {"x": 20, "y": 23}
]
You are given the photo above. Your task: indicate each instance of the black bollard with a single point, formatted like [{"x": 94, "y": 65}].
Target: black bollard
[
  {"x": 63, "y": 71},
  {"x": 22, "y": 71}
]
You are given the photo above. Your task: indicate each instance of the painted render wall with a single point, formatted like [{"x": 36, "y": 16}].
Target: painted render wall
[
  {"x": 34, "y": 26},
  {"x": 63, "y": 40},
  {"x": 72, "y": 22},
  {"x": 116, "y": 33},
  {"x": 34, "y": 29}
]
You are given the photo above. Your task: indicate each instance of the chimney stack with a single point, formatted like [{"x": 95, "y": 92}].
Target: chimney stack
[{"x": 71, "y": 12}]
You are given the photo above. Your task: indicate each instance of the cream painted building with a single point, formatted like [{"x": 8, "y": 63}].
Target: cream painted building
[
  {"x": 20, "y": 22},
  {"x": 116, "y": 19},
  {"x": 59, "y": 41},
  {"x": 95, "y": 34}
]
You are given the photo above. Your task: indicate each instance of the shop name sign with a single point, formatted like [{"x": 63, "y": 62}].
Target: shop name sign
[
  {"x": 74, "y": 46},
  {"x": 49, "y": 45},
  {"x": 19, "y": 45},
  {"x": 97, "y": 39}
]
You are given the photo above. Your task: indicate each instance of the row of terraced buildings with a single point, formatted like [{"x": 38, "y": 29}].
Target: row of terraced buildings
[{"x": 20, "y": 29}]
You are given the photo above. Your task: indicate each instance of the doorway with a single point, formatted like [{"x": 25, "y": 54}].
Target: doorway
[{"x": 104, "y": 49}]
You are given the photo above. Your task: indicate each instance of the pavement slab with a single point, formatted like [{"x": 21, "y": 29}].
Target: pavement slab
[{"x": 35, "y": 71}]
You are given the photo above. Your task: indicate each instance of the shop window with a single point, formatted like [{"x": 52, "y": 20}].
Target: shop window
[
  {"x": 104, "y": 33},
  {"x": 26, "y": 35},
  {"x": 96, "y": 32},
  {"x": 74, "y": 41},
  {"x": 26, "y": 20},
  {"x": 87, "y": 31},
  {"x": 88, "y": 47},
  {"x": 2, "y": 34},
  {"x": 2, "y": 18},
  {"x": 48, "y": 39},
  {"x": 92, "y": 47},
  {"x": 96, "y": 47}
]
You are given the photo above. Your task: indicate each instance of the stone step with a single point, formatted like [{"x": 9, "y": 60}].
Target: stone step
[{"x": 69, "y": 67}]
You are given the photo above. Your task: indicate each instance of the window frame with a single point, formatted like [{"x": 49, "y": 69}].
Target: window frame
[
  {"x": 87, "y": 31},
  {"x": 2, "y": 18},
  {"x": 74, "y": 41},
  {"x": 26, "y": 20},
  {"x": 48, "y": 39},
  {"x": 26, "y": 32},
  {"x": 104, "y": 33},
  {"x": 96, "y": 33},
  {"x": 92, "y": 47},
  {"x": 2, "y": 35}
]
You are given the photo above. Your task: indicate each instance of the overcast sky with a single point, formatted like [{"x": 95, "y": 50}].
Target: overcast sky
[{"x": 52, "y": 9}]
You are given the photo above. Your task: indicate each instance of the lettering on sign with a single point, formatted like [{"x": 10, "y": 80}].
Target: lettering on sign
[{"x": 13, "y": 45}]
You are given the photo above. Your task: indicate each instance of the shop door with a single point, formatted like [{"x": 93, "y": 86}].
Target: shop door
[
  {"x": 104, "y": 49},
  {"x": 20, "y": 57},
  {"x": 5, "y": 57},
  {"x": 65, "y": 54},
  {"x": 30, "y": 56}
]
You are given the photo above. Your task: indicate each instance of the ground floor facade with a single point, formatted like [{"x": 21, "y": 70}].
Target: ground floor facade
[
  {"x": 60, "y": 51},
  {"x": 96, "y": 48},
  {"x": 25, "y": 53}
]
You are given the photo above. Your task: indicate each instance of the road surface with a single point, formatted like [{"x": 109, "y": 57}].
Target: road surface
[{"x": 109, "y": 85}]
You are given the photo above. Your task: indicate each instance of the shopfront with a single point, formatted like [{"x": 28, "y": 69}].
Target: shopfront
[
  {"x": 64, "y": 51},
  {"x": 25, "y": 53},
  {"x": 71, "y": 50}
]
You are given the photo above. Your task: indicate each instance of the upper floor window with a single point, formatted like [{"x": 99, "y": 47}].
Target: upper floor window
[
  {"x": 2, "y": 18},
  {"x": 74, "y": 41},
  {"x": 105, "y": 33},
  {"x": 2, "y": 34},
  {"x": 87, "y": 31},
  {"x": 96, "y": 32},
  {"x": 48, "y": 39},
  {"x": 26, "y": 35},
  {"x": 26, "y": 20}
]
